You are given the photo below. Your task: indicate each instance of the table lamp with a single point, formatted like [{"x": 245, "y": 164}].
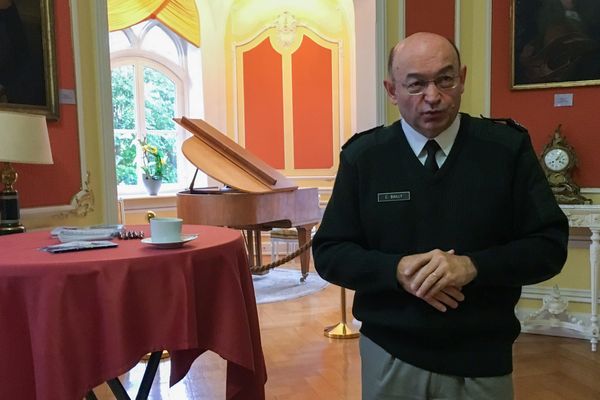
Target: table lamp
[{"x": 23, "y": 139}]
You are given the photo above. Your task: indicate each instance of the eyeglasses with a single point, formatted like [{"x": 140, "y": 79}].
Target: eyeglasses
[{"x": 442, "y": 83}]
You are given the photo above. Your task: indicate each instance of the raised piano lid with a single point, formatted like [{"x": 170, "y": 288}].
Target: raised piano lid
[{"x": 226, "y": 161}]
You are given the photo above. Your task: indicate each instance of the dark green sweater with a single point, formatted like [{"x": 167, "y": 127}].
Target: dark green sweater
[{"x": 489, "y": 200}]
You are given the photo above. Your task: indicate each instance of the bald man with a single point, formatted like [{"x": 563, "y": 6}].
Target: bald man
[{"x": 436, "y": 222}]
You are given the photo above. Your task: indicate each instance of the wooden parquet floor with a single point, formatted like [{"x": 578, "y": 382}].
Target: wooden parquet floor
[{"x": 303, "y": 364}]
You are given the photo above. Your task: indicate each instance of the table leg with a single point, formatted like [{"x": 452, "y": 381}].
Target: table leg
[
  {"x": 594, "y": 267},
  {"x": 119, "y": 391},
  {"x": 90, "y": 396},
  {"x": 149, "y": 374}
]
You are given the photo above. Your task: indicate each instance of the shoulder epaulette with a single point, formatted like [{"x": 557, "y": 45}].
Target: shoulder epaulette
[
  {"x": 359, "y": 134},
  {"x": 507, "y": 121}
]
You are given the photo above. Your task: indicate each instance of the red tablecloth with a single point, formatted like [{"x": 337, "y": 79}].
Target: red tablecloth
[{"x": 71, "y": 321}]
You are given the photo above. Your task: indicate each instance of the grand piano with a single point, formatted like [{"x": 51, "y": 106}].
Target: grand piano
[{"x": 256, "y": 197}]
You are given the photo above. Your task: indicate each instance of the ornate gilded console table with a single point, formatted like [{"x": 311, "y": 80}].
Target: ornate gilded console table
[{"x": 553, "y": 313}]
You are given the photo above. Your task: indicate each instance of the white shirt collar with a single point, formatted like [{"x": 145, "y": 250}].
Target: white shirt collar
[{"x": 445, "y": 139}]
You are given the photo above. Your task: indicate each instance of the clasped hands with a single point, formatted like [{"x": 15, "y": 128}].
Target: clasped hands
[{"x": 437, "y": 277}]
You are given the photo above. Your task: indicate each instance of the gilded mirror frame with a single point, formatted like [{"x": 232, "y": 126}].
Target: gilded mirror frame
[{"x": 28, "y": 78}]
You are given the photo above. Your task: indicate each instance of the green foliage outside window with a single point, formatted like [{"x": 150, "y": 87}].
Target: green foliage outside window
[
  {"x": 159, "y": 110},
  {"x": 123, "y": 97},
  {"x": 125, "y": 152},
  {"x": 159, "y": 101}
]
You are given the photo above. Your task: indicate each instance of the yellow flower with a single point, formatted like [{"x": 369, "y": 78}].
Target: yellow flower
[{"x": 153, "y": 162}]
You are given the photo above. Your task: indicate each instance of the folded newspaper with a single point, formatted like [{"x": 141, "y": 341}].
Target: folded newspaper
[
  {"x": 78, "y": 246},
  {"x": 67, "y": 234}
]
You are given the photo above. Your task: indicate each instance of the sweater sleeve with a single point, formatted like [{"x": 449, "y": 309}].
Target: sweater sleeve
[
  {"x": 339, "y": 246},
  {"x": 538, "y": 249}
]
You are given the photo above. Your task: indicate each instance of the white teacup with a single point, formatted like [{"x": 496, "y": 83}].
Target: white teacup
[{"x": 165, "y": 230}]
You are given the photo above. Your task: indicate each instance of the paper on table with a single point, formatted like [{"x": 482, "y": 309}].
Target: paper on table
[
  {"x": 98, "y": 232},
  {"x": 78, "y": 246},
  {"x": 84, "y": 234}
]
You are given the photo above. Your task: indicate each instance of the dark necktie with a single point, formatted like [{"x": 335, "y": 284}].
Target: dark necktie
[{"x": 431, "y": 147}]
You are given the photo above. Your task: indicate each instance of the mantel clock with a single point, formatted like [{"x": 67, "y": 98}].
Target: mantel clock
[{"x": 558, "y": 160}]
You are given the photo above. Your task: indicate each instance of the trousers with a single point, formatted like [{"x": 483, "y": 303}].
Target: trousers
[{"x": 385, "y": 377}]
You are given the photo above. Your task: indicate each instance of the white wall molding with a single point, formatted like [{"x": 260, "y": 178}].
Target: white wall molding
[
  {"x": 457, "y": 23},
  {"x": 401, "y": 19},
  {"x": 365, "y": 74},
  {"x": 381, "y": 26},
  {"x": 488, "y": 59},
  {"x": 105, "y": 115}
]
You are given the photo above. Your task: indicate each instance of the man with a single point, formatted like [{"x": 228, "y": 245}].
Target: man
[{"x": 438, "y": 246}]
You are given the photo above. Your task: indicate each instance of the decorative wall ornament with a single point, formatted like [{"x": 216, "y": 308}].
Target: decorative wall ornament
[
  {"x": 286, "y": 25},
  {"x": 82, "y": 202}
]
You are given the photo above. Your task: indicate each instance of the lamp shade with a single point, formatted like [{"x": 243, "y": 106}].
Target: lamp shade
[{"x": 24, "y": 138}]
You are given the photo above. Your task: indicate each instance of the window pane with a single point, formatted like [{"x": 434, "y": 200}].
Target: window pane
[
  {"x": 123, "y": 97},
  {"x": 166, "y": 142},
  {"x": 125, "y": 154},
  {"x": 159, "y": 102},
  {"x": 156, "y": 40},
  {"x": 118, "y": 41}
]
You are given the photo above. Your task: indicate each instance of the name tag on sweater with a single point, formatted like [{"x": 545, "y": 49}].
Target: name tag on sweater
[{"x": 393, "y": 196}]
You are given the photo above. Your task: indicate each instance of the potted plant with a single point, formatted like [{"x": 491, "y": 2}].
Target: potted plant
[{"x": 153, "y": 164}]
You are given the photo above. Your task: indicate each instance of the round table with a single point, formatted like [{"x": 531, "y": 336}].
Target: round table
[{"x": 71, "y": 321}]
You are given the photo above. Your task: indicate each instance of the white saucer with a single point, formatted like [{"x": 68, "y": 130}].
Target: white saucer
[{"x": 170, "y": 245}]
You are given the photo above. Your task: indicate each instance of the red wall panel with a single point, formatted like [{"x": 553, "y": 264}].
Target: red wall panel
[
  {"x": 263, "y": 104},
  {"x": 430, "y": 16},
  {"x": 535, "y": 109},
  {"x": 313, "y": 113},
  {"x": 48, "y": 185}
]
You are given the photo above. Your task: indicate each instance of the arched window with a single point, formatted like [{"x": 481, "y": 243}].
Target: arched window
[{"x": 152, "y": 71}]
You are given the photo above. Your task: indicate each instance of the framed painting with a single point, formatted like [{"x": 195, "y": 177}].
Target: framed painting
[
  {"x": 27, "y": 57},
  {"x": 555, "y": 43}
]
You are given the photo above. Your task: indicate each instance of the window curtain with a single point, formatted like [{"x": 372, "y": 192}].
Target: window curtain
[{"x": 181, "y": 16}]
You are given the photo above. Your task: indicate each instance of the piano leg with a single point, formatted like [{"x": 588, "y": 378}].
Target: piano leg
[
  {"x": 258, "y": 248},
  {"x": 303, "y": 238},
  {"x": 250, "y": 246},
  {"x": 254, "y": 245}
]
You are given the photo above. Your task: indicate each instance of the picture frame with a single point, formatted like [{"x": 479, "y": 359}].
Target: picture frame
[
  {"x": 28, "y": 75},
  {"x": 555, "y": 43}
]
